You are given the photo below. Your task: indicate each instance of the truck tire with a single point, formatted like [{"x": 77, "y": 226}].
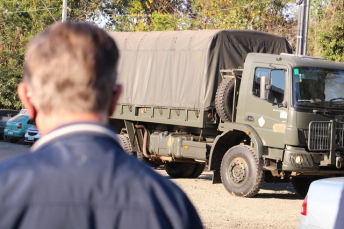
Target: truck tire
[
  {"x": 224, "y": 99},
  {"x": 125, "y": 143},
  {"x": 179, "y": 170},
  {"x": 241, "y": 171},
  {"x": 197, "y": 171},
  {"x": 301, "y": 184}
]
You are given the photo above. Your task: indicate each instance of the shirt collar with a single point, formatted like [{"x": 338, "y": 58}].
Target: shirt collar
[{"x": 72, "y": 129}]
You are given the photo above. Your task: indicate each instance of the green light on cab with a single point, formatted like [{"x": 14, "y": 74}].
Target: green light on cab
[{"x": 296, "y": 71}]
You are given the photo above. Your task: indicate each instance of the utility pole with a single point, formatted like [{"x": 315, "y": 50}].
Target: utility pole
[
  {"x": 302, "y": 28},
  {"x": 64, "y": 11}
]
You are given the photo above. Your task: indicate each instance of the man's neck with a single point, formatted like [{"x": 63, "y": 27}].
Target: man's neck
[{"x": 46, "y": 123}]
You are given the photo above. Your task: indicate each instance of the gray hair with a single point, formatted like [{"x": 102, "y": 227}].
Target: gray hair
[{"x": 71, "y": 67}]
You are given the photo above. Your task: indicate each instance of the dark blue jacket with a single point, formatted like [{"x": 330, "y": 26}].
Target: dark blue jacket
[{"x": 78, "y": 176}]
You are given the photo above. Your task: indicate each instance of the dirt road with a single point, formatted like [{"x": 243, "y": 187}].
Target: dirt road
[{"x": 276, "y": 205}]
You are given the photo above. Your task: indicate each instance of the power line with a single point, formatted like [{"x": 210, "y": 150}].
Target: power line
[
  {"x": 48, "y": 10},
  {"x": 137, "y": 15},
  {"x": 29, "y": 11}
]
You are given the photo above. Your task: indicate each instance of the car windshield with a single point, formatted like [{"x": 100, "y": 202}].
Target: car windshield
[{"x": 318, "y": 88}]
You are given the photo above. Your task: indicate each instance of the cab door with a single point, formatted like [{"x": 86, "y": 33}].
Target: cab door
[{"x": 268, "y": 117}]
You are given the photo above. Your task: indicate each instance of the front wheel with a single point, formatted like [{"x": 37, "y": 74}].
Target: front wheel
[{"x": 241, "y": 171}]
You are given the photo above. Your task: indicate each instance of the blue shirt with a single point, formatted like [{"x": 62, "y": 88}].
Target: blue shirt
[{"x": 78, "y": 176}]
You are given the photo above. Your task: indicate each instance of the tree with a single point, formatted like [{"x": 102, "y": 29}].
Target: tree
[
  {"x": 149, "y": 15},
  {"x": 20, "y": 21},
  {"x": 17, "y": 27},
  {"x": 269, "y": 16},
  {"x": 326, "y": 36}
]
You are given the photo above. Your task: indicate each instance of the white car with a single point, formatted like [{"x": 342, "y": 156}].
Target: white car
[
  {"x": 32, "y": 135},
  {"x": 323, "y": 206}
]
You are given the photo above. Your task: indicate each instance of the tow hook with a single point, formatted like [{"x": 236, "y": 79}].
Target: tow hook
[{"x": 339, "y": 162}]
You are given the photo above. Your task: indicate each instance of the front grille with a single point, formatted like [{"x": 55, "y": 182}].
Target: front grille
[
  {"x": 319, "y": 136},
  {"x": 340, "y": 135}
]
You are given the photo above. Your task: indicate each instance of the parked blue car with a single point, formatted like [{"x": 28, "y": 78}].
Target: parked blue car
[{"x": 16, "y": 127}]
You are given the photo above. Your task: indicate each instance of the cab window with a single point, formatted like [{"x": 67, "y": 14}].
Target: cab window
[{"x": 277, "y": 77}]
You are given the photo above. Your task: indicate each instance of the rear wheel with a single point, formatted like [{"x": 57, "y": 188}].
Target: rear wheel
[
  {"x": 241, "y": 171},
  {"x": 197, "y": 171},
  {"x": 179, "y": 170}
]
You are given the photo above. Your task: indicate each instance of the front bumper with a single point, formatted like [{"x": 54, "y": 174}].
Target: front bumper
[
  {"x": 14, "y": 134},
  {"x": 304, "y": 162},
  {"x": 27, "y": 140}
]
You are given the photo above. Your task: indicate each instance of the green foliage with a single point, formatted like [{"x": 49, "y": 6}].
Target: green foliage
[
  {"x": 161, "y": 22},
  {"x": 150, "y": 15},
  {"x": 326, "y": 30},
  {"x": 16, "y": 29},
  {"x": 21, "y": 20}
]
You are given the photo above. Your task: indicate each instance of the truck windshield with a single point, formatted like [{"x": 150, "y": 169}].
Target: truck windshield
[{"x": 318, "y": 87}]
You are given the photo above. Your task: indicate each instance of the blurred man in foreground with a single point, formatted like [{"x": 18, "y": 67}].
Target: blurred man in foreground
[{"x": 77, "y": 175}]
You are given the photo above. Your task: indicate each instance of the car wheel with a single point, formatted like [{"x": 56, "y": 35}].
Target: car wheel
[
  {"x": 241, "y": 171},
  {"x": 179, "y": 170},
  {"x": 13, "y": 140}
]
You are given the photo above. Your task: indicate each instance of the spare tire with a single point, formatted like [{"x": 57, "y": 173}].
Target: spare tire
[
  {"x": 224, "y": 99},
  {"x": 125, "y": 143}
]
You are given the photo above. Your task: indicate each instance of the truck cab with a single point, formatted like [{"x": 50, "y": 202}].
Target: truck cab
[{"x": 294, "y": 106}]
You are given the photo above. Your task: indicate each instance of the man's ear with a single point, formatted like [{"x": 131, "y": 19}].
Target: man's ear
[
  {"x": 116, "y": 94},
  {"x": 24, "y": 96}
]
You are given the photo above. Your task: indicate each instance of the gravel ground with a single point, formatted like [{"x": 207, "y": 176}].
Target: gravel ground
[{"x": 275, "y": 206}]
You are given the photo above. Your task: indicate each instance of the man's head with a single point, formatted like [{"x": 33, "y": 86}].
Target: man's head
[{"x": 70, "y": 68}]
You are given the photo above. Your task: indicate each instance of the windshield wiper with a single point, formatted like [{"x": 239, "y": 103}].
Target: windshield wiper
[
  {"x": 334, "y": 99},
  {"x": 308, "y": 103},
  {"x": 322, "y": 111}
]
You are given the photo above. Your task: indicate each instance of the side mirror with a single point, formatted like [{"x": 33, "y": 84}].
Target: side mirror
[
  {"x": 283, "y": 104},
  {"x": 265, "y": 87}
]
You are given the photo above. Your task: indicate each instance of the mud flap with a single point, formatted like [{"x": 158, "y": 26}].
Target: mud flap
[{"x": 217, "y": 177}]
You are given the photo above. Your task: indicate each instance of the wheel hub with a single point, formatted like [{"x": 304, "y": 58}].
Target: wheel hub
[{"x": 238, "y": 170}]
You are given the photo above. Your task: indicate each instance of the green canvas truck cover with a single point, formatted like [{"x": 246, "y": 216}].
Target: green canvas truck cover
[{"x": 180, "y": 69}]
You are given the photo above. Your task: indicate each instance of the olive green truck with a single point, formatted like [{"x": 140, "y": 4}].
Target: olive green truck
[{"x": 235, "y": 101}]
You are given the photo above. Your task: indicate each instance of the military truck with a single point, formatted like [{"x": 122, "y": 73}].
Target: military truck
[{"x": 235, "y": 101}]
